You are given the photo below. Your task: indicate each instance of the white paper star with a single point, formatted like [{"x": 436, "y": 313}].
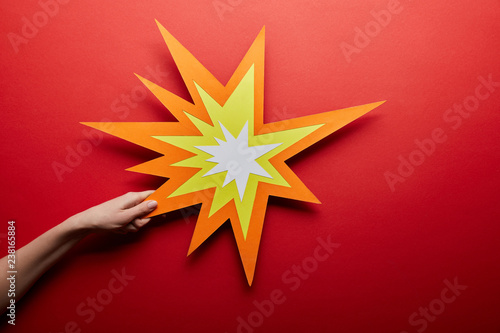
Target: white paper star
[{"x": 237, "y": 158}]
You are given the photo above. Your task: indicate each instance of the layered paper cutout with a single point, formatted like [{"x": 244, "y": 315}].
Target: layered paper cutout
[{"x": 220, "y": 153}]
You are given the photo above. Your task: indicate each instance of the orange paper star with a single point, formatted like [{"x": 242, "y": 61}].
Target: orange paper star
[{"x": 220, "y": 153}]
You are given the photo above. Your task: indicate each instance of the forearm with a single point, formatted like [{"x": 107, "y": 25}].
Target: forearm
[
  {"x": 122, "y": 214},
  {"x": 38, "y": 256}
]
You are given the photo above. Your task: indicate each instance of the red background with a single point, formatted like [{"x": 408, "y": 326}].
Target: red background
[{"x": 397, "y": 247}]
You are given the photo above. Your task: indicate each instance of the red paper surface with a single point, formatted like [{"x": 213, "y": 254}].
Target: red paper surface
[{"x": 396, "y": 251}]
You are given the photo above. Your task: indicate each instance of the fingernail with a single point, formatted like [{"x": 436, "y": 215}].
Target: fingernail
[{"x": 152, "y": 204}]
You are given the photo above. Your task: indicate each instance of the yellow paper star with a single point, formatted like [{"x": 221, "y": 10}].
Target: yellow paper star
[{"x": 220, "y": 153}]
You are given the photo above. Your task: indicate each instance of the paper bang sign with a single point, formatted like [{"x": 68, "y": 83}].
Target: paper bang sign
[{"x": 220, "y": 153}]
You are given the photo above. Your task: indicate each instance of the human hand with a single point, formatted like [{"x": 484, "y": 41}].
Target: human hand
[{"x": 122, "y": 214}]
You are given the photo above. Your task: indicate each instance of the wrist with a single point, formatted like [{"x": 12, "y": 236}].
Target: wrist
[{"x": 76, "y": 227}]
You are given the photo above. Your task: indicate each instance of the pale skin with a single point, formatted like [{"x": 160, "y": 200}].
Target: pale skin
[{"x": 121, "y": 215}]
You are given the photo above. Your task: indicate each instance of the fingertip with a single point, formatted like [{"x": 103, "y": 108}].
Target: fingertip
[
  {"x": 152, "y": 204},
  {"x": 140, "y": 210},
  {"x": 141, "y": 196},
  {"x": 148, "y": 192},
  {"x": 132, "y": 227},
  {"x": 143, "y": 222}
]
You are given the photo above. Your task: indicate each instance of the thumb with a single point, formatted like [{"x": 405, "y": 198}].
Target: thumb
[{"x": 141, "y": 209}]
